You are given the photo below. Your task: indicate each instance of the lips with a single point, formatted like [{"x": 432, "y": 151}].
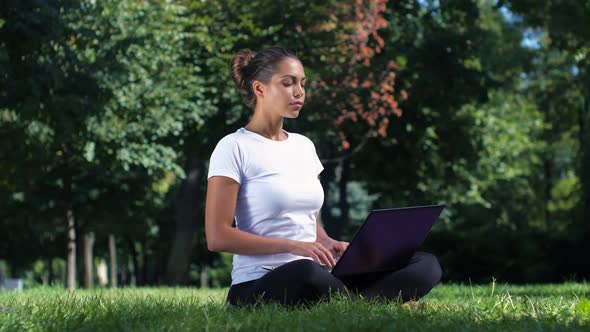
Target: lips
[{"x": 297, "y": 103}]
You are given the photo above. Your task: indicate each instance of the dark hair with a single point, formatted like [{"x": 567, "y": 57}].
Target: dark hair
[{"x": 248, "y": 66}]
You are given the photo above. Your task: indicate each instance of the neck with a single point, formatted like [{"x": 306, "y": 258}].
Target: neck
[{"x": 262, "y": 124}]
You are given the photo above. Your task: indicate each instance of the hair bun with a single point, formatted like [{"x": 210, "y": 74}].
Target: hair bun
[{"x": 238, "y": 66}]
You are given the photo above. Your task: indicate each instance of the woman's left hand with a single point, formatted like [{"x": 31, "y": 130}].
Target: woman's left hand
[{"x": 335, "y": 247}]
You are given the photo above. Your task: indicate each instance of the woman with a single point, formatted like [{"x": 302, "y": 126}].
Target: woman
[{"x": 268, "y": 180}]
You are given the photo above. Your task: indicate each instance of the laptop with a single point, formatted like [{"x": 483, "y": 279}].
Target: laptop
[{"x": 387, "y": 240}]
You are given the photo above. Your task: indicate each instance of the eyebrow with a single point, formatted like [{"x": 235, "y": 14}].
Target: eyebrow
[{"x": 293, "y": 76}]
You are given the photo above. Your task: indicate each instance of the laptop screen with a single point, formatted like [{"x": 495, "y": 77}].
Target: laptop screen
[{"x": 387, "y": 239}]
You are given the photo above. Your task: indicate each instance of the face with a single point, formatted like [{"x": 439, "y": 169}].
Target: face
[{"x": 285, "y": 89}]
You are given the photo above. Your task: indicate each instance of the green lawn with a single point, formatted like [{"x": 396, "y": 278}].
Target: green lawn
[{"x": 447, "y": 308}]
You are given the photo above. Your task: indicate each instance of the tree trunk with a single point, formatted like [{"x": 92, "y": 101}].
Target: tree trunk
[
  {"x": 113, "y": 254},
  {"x": 205, "y": 276},
  {"x": 71, "y": 236},
  {"x": 101, "y": 273},
  {"x": 80, "y": 274},
  {"x": 50, "y": 271},
  {"x": 134, "y": 262},
  {"x": 43, "y": 275},
  {"x": 584, "y": 138},
  {"x": 122, "y": 272},
  {"x": 146, "y": 277},
  {"x": 585, "y": 152},
  {"x": 88, "y": 260},
  {"x": 187, "y": 223}
]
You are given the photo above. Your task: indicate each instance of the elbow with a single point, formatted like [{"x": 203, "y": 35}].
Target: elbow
[
  {"x": 216, "y": 239},
  {"x": 214, "y": 245}
]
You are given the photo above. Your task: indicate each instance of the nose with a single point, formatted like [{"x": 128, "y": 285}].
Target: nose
[{"x": 298, "y": 91}]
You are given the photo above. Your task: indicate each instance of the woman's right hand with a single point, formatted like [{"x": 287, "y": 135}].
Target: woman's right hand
[{"x": 315, "y": 250}]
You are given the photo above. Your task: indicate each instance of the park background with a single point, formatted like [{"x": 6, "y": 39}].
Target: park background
[{"x": 109, "y": 111}]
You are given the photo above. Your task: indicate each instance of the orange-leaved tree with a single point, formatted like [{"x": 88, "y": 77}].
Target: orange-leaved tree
[{"x": 354, "y": 89}]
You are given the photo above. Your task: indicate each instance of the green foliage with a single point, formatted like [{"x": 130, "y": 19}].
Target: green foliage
[
  {"x": 583, "y": 307},
  {"x": 122, "y": 99},
  {"x": 565, "y": 195},
  {"x": 221, "y": 273},
  {"x": 507, "y": 129}
]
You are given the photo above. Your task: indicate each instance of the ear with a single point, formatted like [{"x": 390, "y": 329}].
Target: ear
[{"x": 258, "y": 88}]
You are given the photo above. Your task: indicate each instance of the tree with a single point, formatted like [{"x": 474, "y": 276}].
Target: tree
[
  {"x": 48, "y": 95},
  {"x": 90, "y": 118},
  {"x": 565, "y": 31}
]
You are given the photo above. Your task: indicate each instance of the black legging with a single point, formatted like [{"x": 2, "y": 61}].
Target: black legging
[{"x": 305, "y": 282}]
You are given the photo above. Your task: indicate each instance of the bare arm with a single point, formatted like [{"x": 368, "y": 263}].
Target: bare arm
[
  {"x": 335, "y": 247},
  {"x": 321, "y": 235},
  {"x": 220, "y": 206}
]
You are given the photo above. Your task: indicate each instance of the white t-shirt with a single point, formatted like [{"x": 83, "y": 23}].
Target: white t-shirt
[{"x": 280, "y": 193}]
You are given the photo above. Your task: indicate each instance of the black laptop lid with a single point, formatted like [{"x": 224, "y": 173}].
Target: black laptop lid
[{"x": 387, "y": 239}]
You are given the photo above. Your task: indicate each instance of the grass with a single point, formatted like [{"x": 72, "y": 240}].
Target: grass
[{"x": 491, "y": 307}]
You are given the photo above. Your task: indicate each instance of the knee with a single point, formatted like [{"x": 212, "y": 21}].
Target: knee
[
  {"x": 431, "y": 271},
  {"x": 313, "y": 275},
  {"x": 304, "y": 264},
  {"x": 304, "y": 269}
]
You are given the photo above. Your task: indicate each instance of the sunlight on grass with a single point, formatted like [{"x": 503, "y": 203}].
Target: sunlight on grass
[{"x": 447, "y": 308}]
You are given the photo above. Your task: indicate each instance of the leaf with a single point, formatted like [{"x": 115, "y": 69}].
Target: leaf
[{"x": 89, "y": 151}]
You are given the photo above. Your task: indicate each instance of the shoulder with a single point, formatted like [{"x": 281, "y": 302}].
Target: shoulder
[
  {"x": 301, "y": 138},
  {"x": 232, "y": 140},
  {"x": 229, "y": 145},
  {"x": 304, "y": 140},
  {"x": 227, "y": 159}
]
